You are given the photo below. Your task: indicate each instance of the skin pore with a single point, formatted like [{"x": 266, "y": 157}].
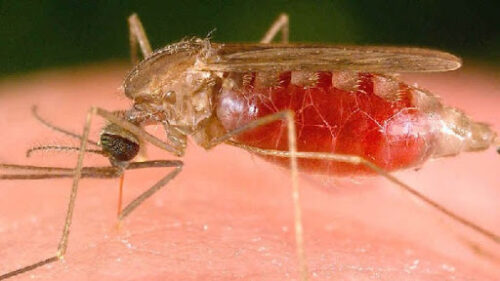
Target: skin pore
[{"x": 229, "y": 214}]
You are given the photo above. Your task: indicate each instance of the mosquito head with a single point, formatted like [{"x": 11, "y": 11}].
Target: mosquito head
[{"x": 119, "y": 144}]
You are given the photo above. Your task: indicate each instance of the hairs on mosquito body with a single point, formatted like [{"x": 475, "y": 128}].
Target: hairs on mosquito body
[{"x": 185, "y": 44}]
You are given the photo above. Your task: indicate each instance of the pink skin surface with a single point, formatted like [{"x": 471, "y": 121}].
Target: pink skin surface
[{"x": 228, "y": 215}]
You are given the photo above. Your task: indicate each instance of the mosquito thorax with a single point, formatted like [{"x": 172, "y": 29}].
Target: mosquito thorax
[
  {"x": 169, "y": 82},
  {"x": 120, "y": 144}
]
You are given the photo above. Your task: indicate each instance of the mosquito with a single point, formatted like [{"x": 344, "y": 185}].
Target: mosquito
[{"x": 330, "y": 109}]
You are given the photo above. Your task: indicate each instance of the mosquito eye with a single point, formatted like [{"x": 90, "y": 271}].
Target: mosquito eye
[
  {"x": 170, "y": 97},
  {"x": 120, "y": 148}
]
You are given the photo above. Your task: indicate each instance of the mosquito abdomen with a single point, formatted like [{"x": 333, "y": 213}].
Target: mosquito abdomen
[{"x": 374, "y": 116}]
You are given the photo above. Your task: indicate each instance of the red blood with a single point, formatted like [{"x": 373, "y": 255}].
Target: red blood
[{"x": 391, "y": 132}]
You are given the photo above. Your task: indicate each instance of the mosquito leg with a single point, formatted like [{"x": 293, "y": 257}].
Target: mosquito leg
[
  {"x": 80, "y": 172},
  {"x": 357, "y": 160},
  {"x": 288, "y": 117},
  {"x": 63, "y": 243},
  {"x": 34, "y": 111},
  {"x": 29, "y": 268},
  {"x": 137, "y": 36},
  {"x": 174, "y": 137},
  {"x": 33, "y": 168},
  {"x": 280, "y": 24},
  {"x": 86, "y": 172},
  {"x": 177, "y": 164},
  {"x": 37, "y": 173},
  {"x": 140, "y": 133},
  {"x": 292, "y": 153},
  {"x": 95, "y": 172}
]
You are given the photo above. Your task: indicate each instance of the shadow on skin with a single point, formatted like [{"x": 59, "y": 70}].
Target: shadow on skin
[{"x": 229, "y": 215}]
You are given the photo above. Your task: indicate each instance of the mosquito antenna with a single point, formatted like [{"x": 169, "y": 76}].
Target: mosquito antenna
[
  {"x": 34, "y": 110},
  {"x": 61, "y": 148}
]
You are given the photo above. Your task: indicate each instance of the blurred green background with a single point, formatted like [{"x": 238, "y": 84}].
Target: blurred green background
[{"x": 53, "y": 33}]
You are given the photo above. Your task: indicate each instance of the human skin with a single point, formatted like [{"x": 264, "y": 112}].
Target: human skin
[{"x": 228, "y": 215}]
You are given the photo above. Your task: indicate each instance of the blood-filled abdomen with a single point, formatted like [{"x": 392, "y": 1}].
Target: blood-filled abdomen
[{"x": 373, "y": 116}]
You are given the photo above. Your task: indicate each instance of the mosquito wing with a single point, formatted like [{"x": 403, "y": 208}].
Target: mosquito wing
[{"x": 310, "y": 57}]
